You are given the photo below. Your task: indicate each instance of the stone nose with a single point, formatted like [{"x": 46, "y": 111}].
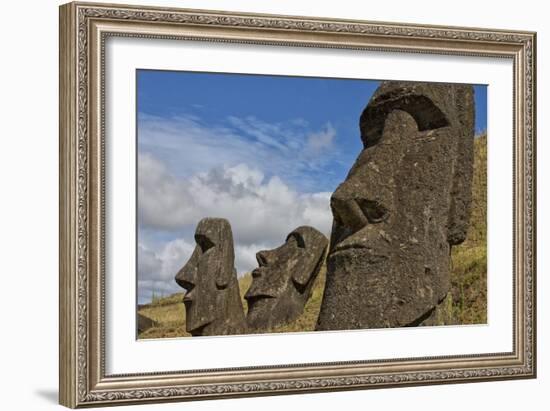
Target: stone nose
[
  {"x": 353, "y": 207},
  {"x": 185, "y": 277},
  {"x": 347, "y": 213},
  {"x": 264, "y": 258}
]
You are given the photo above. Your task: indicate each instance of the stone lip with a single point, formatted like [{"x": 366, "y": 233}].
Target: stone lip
[{"x": 282, "y": 283}]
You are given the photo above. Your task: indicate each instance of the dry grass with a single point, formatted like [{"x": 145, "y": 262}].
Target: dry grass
[
  {"x": 468, "y": 297},
  {"x": 466, "y": 303},
  {"x": 169, "y": 314}
]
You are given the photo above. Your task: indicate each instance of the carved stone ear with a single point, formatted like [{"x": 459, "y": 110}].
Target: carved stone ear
[
  {"x": 432, "y": 108},
  {"x": 225, "y": 266},
  {"x": 461, "y": 193},
  {"x": 301, "y": 276},
  {"x": 313, "y": 243}
]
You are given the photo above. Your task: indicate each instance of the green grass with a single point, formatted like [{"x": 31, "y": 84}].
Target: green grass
[
  {"x": 468, "y": 294},
  {"x": 465, "y": 304}
]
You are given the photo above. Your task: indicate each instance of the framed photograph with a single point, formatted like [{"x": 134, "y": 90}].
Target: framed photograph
[{"x": 259, "y": 204}]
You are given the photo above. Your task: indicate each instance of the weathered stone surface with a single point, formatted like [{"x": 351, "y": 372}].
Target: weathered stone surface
[
  {"x": 282, "y": 283},
  {"x": 404, "y": 203},
  {"x": 144, "y": 323},
  {"x": 212, "y": 300}
]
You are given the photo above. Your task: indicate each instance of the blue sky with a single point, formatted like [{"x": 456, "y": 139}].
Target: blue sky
[
  {"x": 270, "y": 98},
  {"x": 263, "y": 151}
]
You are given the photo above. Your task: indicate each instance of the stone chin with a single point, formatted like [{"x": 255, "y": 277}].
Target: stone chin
[
  {"x": 199, "y": 331},
  {"x": 267, "y": 310},
  {"x": 194, "y": 325},
  {"x": 261, "y": 299},
  {"x": 257, "y": 305},
  {"x": 384, "y": 303}
]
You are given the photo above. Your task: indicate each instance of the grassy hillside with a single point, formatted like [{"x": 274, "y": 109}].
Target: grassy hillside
[
  {"x": 465, "y": 304},
  {"x": 169, "y": 313}
]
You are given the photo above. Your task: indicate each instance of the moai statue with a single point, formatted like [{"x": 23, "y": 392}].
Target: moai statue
[
  {"x": 282, "y": 283},
  {"x": 404, "y": 203},
  {"x": 212, "y": 301}
]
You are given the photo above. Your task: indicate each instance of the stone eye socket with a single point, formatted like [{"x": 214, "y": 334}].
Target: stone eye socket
[
  {"x": 299, "y": 240},
  {"x": 204, "y": 242},
  {"x": 373, "y": 210}
]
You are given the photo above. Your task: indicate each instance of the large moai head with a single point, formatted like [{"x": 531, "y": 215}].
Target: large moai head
[
  {"x": 404, "y": 203},
  {"x": 282, "y": 283},
  {"x": 212, "y": 300}
]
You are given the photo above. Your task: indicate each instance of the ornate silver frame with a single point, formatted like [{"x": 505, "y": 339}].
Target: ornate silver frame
[{"x": 83, "y": 30}]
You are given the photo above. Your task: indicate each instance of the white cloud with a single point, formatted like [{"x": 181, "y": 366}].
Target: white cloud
[
  {"x": 261, "y": 211},
  {"x": 173, "y": 255},
  {"x": 160, "y": 195},
  {"x": 149, "y": 265},
  {"x": 163, "y": 264},
  {"x": 290, "y": 150},
  {"x": 252, "y": 179},
  {"x": 321, "y": 140},
  {"x": 271, "y": 135},
  {"x": 317, "y": 211},
  {"x": 245, "y": 256},
  {"x": 157, "y": 269},
  {"x": 148, "y": 288}
]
